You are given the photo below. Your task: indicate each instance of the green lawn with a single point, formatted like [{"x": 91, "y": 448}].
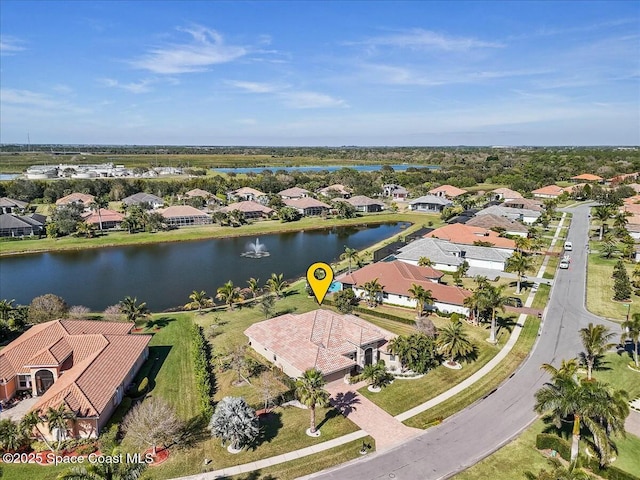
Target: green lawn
[
  {"x": 616, "y": 373},
  {"x": 600, "y": 289}
]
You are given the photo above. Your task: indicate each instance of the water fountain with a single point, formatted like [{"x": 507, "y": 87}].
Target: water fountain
[{"x": 255, "y": 250}]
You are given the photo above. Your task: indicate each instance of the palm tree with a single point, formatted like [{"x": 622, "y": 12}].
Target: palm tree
[
  {"x": 425, "y": 262},
  {"x": 519, "y": 264},
  {"x": 422, "y": 297},
  {"x": 559, "y": 472},
  {"x": 620, "y": 220},
  {"x": 254, "y": 286},
  {"x": 30, "y": 421},
  {"x": 229, "y": 294},
  {"x": 58, "y": 419},
  {"x": 453, "y": 342},
  {"x": 594, "y": 405},
  {"x": 235, "y": 421},
  {"x": 608, "y": 248},
  {"x": 595, "y": 340},
  {"x": 400, "y": 346},
  {"x": 11, "y": 438},
  {"x": 6, "y": 306},
  {"x": 602, "y": 213},
  {"x": 372, "y": 290},
  {"x": 376, "y": 375},
  {"x": 199, "y": 300},
  {"x": 97, "y": 205},
  {"x": 132, "y": 310},
  {"x": 310, "y": 392},
  {"x": 523, "y": 244},
  {"x": 351, "y": 255},
  {"x": 105, "y": 471},
  {"x": 631, "y": 331},
  {"x": 276, "y": 284},
  {"x": 85, "y": 229},
  {"x": 495, "y": 300}
]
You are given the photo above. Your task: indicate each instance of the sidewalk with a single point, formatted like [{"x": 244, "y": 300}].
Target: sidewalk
[{"x": 267, "y": 462}]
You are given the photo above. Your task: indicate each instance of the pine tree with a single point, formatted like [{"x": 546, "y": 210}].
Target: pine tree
[{"x": 621, "y": 284}]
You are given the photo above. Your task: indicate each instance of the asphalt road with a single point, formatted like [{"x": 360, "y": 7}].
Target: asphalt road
[{"x": 472, "y": 434}]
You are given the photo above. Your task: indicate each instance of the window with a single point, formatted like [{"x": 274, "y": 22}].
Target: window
[
  {"x": 275, "y": 358},
  {"x": 385, "y": 295}
]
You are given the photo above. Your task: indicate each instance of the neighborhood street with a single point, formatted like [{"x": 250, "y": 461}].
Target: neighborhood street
[{"x": 472, "y": 434}]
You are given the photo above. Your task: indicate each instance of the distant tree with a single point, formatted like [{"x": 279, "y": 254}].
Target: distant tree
[
  {"x": 426, "y": 326},
  {"x": 523, "y": 244},
  {"x": 425, "y": 262},
  {"x": 460, "y": 273},
  {"x": 66, "y": 219},
  {"x": 132, "y": 310},
  {"x": 289, "y": 214},
  {"x": 631, "y": 331},
  {"x": 372, "y": 290},
  {"x": 199, "y": 300},
  {"x": 608, "y": 248},
  {"x": 344, "y": 300},
  {"x": 267, "y": 305},
  {"x": 350, "y": 255},
  {"x": 112, "y": 313},
  {"x": 622, "y": 286},
  {"x": 520, "y": 264},
  {"x": 6, "y": 307},
  {"x": 422, "y": 297},
  {"x": 234, "y": 421},
  {"x": 84, "y": 229},
  {"x": 596, "y": 342},
  {"x": 601, "y": 214},
  {"x": 494, "y": 299},
  {"x": 254, "y": 286},
  {"x": 311, "y": 393},
  {"x": 277, "y": 285},
  {"x": 220, "y": 218},
  {"x": 345, "y": 210},
  {"x": 151, "y": 423},
  {"x": 229, "y": 294},
  {"x": 47, "y": 307},
  {"x": 79, "y": 312},
  {"x": 98, "y": 204}
]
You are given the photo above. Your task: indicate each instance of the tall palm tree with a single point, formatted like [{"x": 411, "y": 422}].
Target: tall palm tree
[
  {"x": 523, "y": 244},
  {"x": 350, "y": 255},
  {"x": 6, "y": 306},
  {"x": 631, "y": 331},
  {"x": 229, "y": 294},
  {"x": 602, "y": 213},
  {"x": 519, "y": 264},
  {"x": 29, "y": 422},
  {"x": 58, "y": 419},
  {"x": 310, "y": 392},
  {"x": 400, "y": 346},
  {"x": 133, "y": 310},
  {"x": 596, "y": 342},
  {"x": 594, "y": 405},
  {"x": 620, "y": 220},
  {"x": 495, "y": 300},
  {"x": 254, "y": 286},
  {"x": 453, "y": 342},
  {"x": 97, "y": 205},
  {"x": 276, "y": 284},
  {"x": 199, "y": 300},
  {"x": 372, "y": 289},
  {"x": 422, "y": 297},
  {"x": 105, "y": 471}
]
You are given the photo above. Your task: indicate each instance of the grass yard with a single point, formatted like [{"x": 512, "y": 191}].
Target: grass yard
[
  {"x": 617, "y": 374},
  {"x": 406, "y": 394},
  {"x": 600, "y": 290},
  {"x": 486, "y": 384}
]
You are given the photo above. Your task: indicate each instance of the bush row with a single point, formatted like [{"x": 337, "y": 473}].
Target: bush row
[
  {"x": 548, "y": 441},
  {"x": 201, "y": 353}
]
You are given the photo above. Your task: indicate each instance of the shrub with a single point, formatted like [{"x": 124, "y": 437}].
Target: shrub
[
  {"x": 142, "y": 387},
  {"x": 553, "y": 442},
  {"x": 86, "y": 449},
  {"x": 201, "y": 355},
  {"x": 39, "y": 447}
]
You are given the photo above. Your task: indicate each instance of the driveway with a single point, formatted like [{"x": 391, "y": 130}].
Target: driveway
[
  {"x": 474, "y": 433},
  {"x": 18, "y": 411}
]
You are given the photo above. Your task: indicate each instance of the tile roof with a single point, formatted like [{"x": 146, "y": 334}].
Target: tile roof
[
  {"x": 247, "y": 206},
  {"x": 304, "y": 202},
  {"x": 320, "y": 338},
  {"x": 528, "y": 203},
  {"x": 10, "y": 202},
  {"x": 468, "y": 234},
  {"x": 553, "y": 190},
  {"x": 509, "y": 212},
  {"x": 84, "y": 198},
  {"x": 448, "y": 190},
  {"x": 587, "y": 177},
  {"x": 294, "y": 192},
  {"x": 105, "y": 215},
  {"x": 362, "y": 200},
  {"x": 198, "y": 192},
  {"x": 495, "y": 221},
  {"x": 507, "y": 193},
  {"x": 142, "y": 197},
  {"x": 398, "y": 278},
  {"x": 182, "y": 211},
  {"x": 447, "y": 253},
  {"x": 337, "y": 188},
  {"x": 432, "y": 199},
  {"x": 248, "y": 191}
]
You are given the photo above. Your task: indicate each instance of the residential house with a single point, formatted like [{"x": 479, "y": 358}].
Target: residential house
[
  {"x": 470, "y": 235},
  {"x": 588, "y": 178},
  {"x": 505, "y": 194},
  {"x": 84, "y": 365},
  {"x": 9, "y": 205},
  {"x": 143, "y": 199},
  {"x": 82, "y": 199},
  {"x": 12, "y": 225},
  {"x": 620, "y": 179},
  {"x": 293, "y": 193},
  {"x": 107, "y": 219},
  {"x": 337, "y": 345},
  {"x": 449, "y": 256},
  {"x": 429, "y": 204},
  {"x": 365, "y": 204},
  {"x": 307, "y": 206},
  {"x": 334, "y": 191},
  {"x": 550, "y": 191},
  {"x": 397, "y": 278},
  {"x": 526, "y": 203},
  {"x": 250, "y": 209},
  {"x": 247, "y": 194},
  {"x": 521, "y": 214},
  {"x": 198, "y": 192},
  {"x": 447, "y": 191},
  {"x": 184, "y": 215},
  {"x": 498, "y": 223},
  {"x": 396, "y": 192}
]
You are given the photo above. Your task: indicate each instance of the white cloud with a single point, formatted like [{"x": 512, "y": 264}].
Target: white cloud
[
  {"x": 311, "y": 100},
  {"x": 10, "y": 45},
  {"x": 426, "y": 39},
  {"x": 143, "y": 86},
  {"x": 256, "y": 87},
  {"x": 37, "y": 103},
  {"x": 206, "y": 48}
]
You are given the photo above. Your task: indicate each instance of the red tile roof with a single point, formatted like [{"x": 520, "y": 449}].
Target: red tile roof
[
  {"x": 248, "y": 206},
  {"x": 467, "y": 235},
  {"x": 105, "y": 216},
  {"x": 182, "y": 211},
  {"x": 589, "y": 177},
  {"x": 83, "y": 198},
  {"x": 553, "y": 190},
  {"x": 507, "y": 193},
  {"x": 198, "y": 192},
  {"x": 448, "y": 190}
]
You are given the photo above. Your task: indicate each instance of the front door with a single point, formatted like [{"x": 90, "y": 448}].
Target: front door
[{"x": 368, "y": 356}]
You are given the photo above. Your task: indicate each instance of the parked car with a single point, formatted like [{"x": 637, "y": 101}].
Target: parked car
[
  {"x": 568, "y": 246},
  {"x": 564, "y": 264},
  {"x": 514, "y": 302}
]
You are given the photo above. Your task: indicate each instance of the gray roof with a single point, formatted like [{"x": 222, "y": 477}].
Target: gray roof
[
  {"x": 509, "y": 212},
  {"x": 8, "y": 221},
  {"x": 10, "y": 202},
  {"x": 443, "y": 251},
  {"x": 361, "y": 200},
  {"x": 490, "y": 221},
  {"x": 395, "y": 188},
  {"x": 142, "y": 197},
  {"x": 431, "y": 199}
]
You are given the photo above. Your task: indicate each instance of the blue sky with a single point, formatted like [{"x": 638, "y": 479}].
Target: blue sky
[{"x": 320, "y": 73}]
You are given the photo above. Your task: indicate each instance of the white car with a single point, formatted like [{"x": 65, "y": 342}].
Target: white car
[
  {"x": 568, "y": 246},
  {"x": 564, "y": 264}
]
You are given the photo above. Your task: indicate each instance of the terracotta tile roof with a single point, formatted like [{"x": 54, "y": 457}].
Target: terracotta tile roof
[
  {"x": 182, "y": 211},
  {"x": 248, "y": 206},
  {"x": 494, "y": 221},
  {"x": 52, "y": 355},
  {"x": 633, "y": 208},
  {"x": 572, "y": 188},
  {"x": 305, "y": 202},
  {"x": 632, "y": 200},
  {"x": 468, "y": 234},
  {"x": 248, "y": 191},
  {"x": 362, "y": 200},
  {"x": 398, "y": 278},
  {"x": 319, "y": 338},
  {"x": 448, "y": 190},
  {"x": 507, "y": 193},
  {"x": 337, "y": 188},
  {"x": 198, "y": 192},
  {"x": 553, "y": 190},
  {"x": 105, "y": 215},
  {"x": 76, "y": 198},
  {"x": 589, "y": 177},
  {"x": 294, "y": 192}
]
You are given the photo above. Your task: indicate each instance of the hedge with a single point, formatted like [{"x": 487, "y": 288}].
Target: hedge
[
  {"x": 201, "y": 354},
  {"x": 553, "y": 442},
  {"x": 376, "y": 313}
]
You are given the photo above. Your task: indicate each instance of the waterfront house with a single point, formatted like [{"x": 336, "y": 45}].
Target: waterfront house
[
  {"x": 9, "y": 205},
  {"x": 22, "y": 225},
  {"x": 335, "y": 344},
  {"x": 307, "y": 206},
  {"x": 108, "y": 218},
  {"x": 247, "y": 194},
  {"x": 429, "y": 204},
  {"x": 250, "y": 209},
  {"x": 82, "y": 199},
  {"x": 365, "y": 204},
  {"x": 334, "y": 191},
  {"x": 143, "y": 199},
  {"x": 184, "y": 215}
]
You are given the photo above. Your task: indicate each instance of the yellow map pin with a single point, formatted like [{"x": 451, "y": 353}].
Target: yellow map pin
[{"x": 320, "y": 276}]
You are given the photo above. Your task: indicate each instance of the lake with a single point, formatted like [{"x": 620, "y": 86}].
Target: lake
[
  {"x": 164, "y": 274},
  {"x": 315, "y": 169},
  {"x": 9, "y": 176}
]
